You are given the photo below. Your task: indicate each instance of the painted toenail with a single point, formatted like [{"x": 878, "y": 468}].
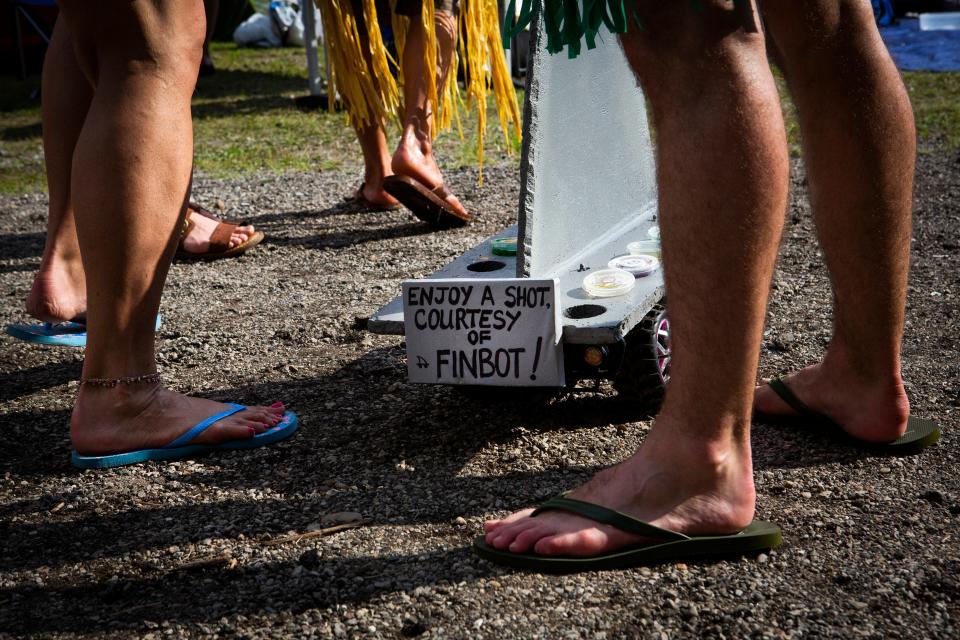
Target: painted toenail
[{"x": 277, "y": 405}]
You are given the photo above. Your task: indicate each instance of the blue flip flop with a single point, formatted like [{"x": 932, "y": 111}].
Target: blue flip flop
[
  {"x": 181, "y": 447},
  {"x": 60, "y": 334}
]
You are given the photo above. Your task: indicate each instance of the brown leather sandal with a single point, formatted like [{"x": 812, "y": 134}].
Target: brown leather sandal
[
  {"x": 206, "y": 213},
  {"x": 430, "y": 205},
  {"x": 219, "y": 242}
]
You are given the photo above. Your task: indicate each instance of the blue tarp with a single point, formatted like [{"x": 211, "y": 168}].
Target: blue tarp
[
  {"x": 883, "y": 10},
  {"x": 915, "y": 50}
]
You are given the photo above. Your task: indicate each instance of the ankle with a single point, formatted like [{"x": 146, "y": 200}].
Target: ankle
[
  {"x": 843, "y": 363},
  {"x": 717, "y": 451},
  {"x": 96, "y": 405},
  {"x": 373, "y": 177},
  {"x": 415, "y": 137}
]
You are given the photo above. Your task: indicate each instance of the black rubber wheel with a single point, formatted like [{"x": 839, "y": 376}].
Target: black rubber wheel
[{"x": 645, "y": 370}]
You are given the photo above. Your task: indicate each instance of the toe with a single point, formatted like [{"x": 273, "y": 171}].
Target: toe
[
  {"x": 492, "y": 525},
  {"x": 578, "y": 543},
  {"x": 516, "y": 516},
  {"x": 263, "y": 414},
  {"x": 765, "y": 400},
  {"x": 241, "y": 235},
  {"x": 456, "y": 204},
  {"x": 527, "y": 539},
  {"x": 227, "y": 430},
  {"x": 258, "y": 427},
  {"x": 503, "y": 537}
]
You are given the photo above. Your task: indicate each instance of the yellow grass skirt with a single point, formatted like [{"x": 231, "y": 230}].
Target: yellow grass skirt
[{"x": 372, "y": 95}]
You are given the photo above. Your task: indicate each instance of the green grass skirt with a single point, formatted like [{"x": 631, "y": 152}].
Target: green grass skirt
[{"x": 567, "y": 26}]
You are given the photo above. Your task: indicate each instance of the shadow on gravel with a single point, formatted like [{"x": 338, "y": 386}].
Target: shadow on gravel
[
  {"x": 339, "y": 238},
  {"x": 17, "y": 246},
  {"x": 369, "y": 443},
  {"x": 18, "y": 268},
  {"x": 205, "y": 596},
  {"x": 783, "y": 447},
  {"x": 35, "y": 443},
  {"x": 24, "y": 382}
]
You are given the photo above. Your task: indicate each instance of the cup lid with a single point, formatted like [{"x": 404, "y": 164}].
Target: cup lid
[
  {"x": 609, "y": 283},
  {"x": 639, "y": 264},
  {"x": 505, "y": 246}
]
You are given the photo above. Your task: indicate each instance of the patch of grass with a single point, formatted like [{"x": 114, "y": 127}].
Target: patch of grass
[
  {"x": 245, "y": 121},
  {"x": 936, "y": 106},
  {"x": 790, "y": 121},
  {"x": 21, "y": 152}
]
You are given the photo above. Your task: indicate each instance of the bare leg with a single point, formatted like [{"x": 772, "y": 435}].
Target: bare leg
[
  {"x": 376, "y": 163},
  {"x": 722, "y": 175},
  {"x": 59, "y": 291},
  {"x": 373, "y": 144},
  {"x": 859, "y": 146},
  {"x": 414, "y": 155},
  {"x": 131, "y": 173}
]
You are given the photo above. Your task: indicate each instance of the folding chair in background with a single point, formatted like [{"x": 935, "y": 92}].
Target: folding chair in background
[{"x": 22, "y": 14}]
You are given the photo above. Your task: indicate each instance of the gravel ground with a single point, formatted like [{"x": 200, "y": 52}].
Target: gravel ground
[{"x": 197, "y": 548}]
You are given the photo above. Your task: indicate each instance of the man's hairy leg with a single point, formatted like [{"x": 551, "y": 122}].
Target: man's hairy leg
[
  {"x": 859, "y": 147},
  {"x": 722, "y": 175}
]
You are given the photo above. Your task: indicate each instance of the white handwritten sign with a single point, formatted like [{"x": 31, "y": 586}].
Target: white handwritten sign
[{"x": 484, "y": 332}]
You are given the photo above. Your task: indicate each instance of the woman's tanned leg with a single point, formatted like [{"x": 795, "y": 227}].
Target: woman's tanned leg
[
  {"x": 131, "y": 174},
  {"x": 59, "y": 290},
  {"x": 414, "y": 155}
]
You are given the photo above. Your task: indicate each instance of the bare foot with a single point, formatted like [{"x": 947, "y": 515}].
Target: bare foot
[
  {"x": 374, "y": 193},
  {"x": 414, "y": 159},
  {"x": 869, "y": 410},
  {"x": 672, "y": 482},
  {"x": 198, "y": 240},
  {"x": 140, "y": 416},
  {"x": 59, "y": 291}
]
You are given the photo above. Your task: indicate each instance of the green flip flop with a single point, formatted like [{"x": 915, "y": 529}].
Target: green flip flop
[
  {"x": 667, "y": 545},
  {"x": 920, "y": 434}
]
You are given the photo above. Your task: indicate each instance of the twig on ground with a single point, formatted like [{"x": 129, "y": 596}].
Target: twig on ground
[
  {"x": 208, "y": 561},
  {"x": 319, "y": 533}
]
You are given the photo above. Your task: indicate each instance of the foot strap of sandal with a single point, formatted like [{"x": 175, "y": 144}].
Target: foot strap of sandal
[
  {"x": 199, "y": 428},
  {"x": 603, "y": 515},
  {"x": 441, "y": 191},
  {"x": 220, "y": 238},
  {"x": 787, "y": 395}
]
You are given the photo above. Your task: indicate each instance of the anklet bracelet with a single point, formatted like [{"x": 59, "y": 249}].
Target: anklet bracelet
[{"x": 147, "y": 378}]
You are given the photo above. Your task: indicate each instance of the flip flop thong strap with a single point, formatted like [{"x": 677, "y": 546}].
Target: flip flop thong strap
[
  {"x": 441, "y": 191},
  {"x": 782, "y": 390},
  {"x": 200, "y": 427},
  {"x": 603, "y": 515}
]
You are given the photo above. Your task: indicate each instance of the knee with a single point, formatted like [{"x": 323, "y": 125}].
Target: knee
[
  {"x": 163, "y": 40},
  {"x": 176, "y": 49},
  {"x": 700, "y": 37},
  {"x": 807, "y": 33}
]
